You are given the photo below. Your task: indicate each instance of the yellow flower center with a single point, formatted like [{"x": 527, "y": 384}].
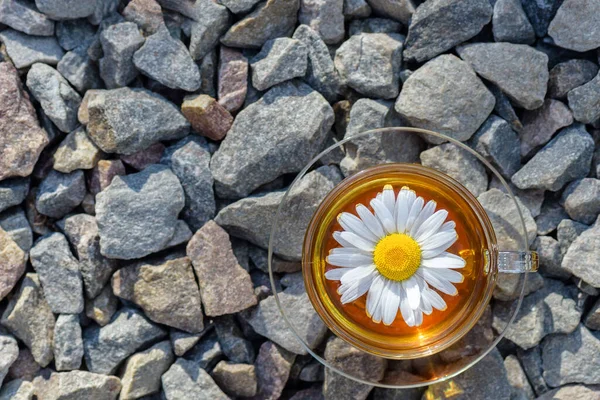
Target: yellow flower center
[{"x": 397, "y": 256}]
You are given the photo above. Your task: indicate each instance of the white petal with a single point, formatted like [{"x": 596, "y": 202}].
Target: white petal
[
  {"x": 405, "y": 310},
  {"x": 448, "y": 226},
  {"x": 370, "y": 221},
  {"x": 338, "y": 238},
  {"x": 375, "y": 292},
  {"x": 418, "y": 317},
  {"x": 384, "y": 215},
  {"x": 431, "y": 226},
  {"x": 435, "y": 299},
  {"x": 353, "y": 224},
  {"x": 348, "y": 251},
  {"x": 403, "y": 204},
  {"x": 357, "y": 274},
  {"x": 444, "y": 260},
  {"x": 437, "y": 244},
  {"x": 357, "y": 241},
  {"x": 336, "y": 273},
  {"x": 378, "y": 310},
  {"x": 439, "y": 283},
  {"x": 392, "y": 302},
  {"x": 389, "y": 198},
  {"x": 415, "y": 209},
  {"x": 450, "y": 275},
  {"x": 357, "y": 288},
  {"x": 425, "y": 305},
  {"x": 413, "y": 292},
  {"x": 349, "y": 260},
  {"x": 425, "y": 213}
]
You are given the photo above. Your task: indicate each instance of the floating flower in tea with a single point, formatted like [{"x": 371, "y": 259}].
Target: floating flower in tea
[{"x": 397, "y": 255}]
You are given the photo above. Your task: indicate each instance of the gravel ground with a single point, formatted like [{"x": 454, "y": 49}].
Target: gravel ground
[{"x": 145, "y": 144}]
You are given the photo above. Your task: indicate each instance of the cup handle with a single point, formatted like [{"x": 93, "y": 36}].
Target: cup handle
[{"x": 517, "y": 262}]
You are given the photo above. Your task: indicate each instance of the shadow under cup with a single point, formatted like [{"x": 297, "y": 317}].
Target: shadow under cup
[{"x": 476, "y": 244}]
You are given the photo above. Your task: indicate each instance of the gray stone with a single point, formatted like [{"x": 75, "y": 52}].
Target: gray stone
[
  {"x": 531, "y": 360},
  {"x": 208, "y": 74},
  {"x": 105, "y": 348},
  {"x": 57, "y": 98},
  {"x": 506, "y": 221},
  {"x": 22, "y": 138},
  {"x": 504, "y": 108},
  {"x": 17, "y": 389},
  {"x": 225, "y": 287},
  {"x": 189, "y": 160},
  {"x": 540, "y": 13},
  {"x": 569, "y": 75},
  {"x": 143, "y": 158},
  {"x": 370, "y": 64},
  {"x": 59, "y": 273},
  {"x": 210, "y": 21},
  {"x": 165, "y": 290},
  {"x": 68, "y": 345},
  {"x": 288, "y": 124},
  {"x": 354, "y": 362},
  {"x": 575, "y": 25},
  {"x": 186, "y": 379},
  {"x": 321, "y": 74},
  {"x": 76, "y": 151},
  {"x": 566, "y": 233},
  {"x": 439, "y": 25},
  {"x": 541, "y": 124},
  {"x": 182, "y": 342},
  {"x": 60, "y": 193},
  {"x": 158, "y": 198},
  {"x": 509, "y": 286},
  {"x": 167, "y": 60},
  {"x": 549, "y": 218},
  {"x": 24, "y": 17},
  {"x": 316, "y": 393},
  {"x": 235, "y": 347},
  {"x": 356, "y": 9},
  {"x": 499, "y": 144},
  {"x": 373, "y": 25},
  {"x": 15, "y": 223},
  {"x": 267, "y": 321},
  {"x": 552, "y": 309},
  {"x": 13, "y": 192},
  {"x": 102, "y": 307},
  {"x": 510, "y": 24},
  {"x": 278, "y": 61},
  {"x": 9, "y": 351},
  {"x": 459, "y": 164},
  {"x": 572, "y": 358},
  {"x": 79, "y": 69},
  {"x": 445, "y": 80},
  {"x": 104, "y": 8},
  {"x": 119, "y": 43},
  {"x": 581, "y": 200},
  {"x": 206, "y": 353},
  {"x": 147, "y": 14},
  {"x": 74, "y": 33},
  {"x": 76, "y": 385},
  {"x": 325, "y": 17},
  {"x": 143, "y": 371},
  {"x": 239, "y": 6},
  {"x": 567, "y": 157},
  {"x": 95, "y": 50},
  {"x": 25, "y": 50},
  {"x": 251, "y": 218},
  {"x": 592, "y": 319},
  {"x": 259, "y": 258},
  {"x": 82, "y": 232},
  {"x": 572, "y": 392},
  {"x": 71, "y": 9},
  {"x": 269, "y": 20},
  {"x": 30, "y": 319},
  {"x": 126, "y": 120},
  {"x": 550, "y": 257},
  {"x": 518, "y": 70},
  {"x": 400, "y": 10},
  {"x": 236, "y": 379},
  {"x": 585, "y": 101},
  {"x": 582, "y": 256},
  {"x": 272, "y": 367},
  {"x": 517, "y": 379}
]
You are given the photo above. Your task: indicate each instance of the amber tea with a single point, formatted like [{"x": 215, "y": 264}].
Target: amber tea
[{"x": 399, "y": 260}]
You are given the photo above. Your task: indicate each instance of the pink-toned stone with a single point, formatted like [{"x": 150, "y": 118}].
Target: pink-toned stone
[
  {"x": 207, "y": 116},
  {"x": 147, "y": 14},
  {"x": 540, "y": 124},
  {"x": 143, "y": 158},
  {"x": 233, "y": 79},
  {"x": 12, "y": 263},
  {"x": 103, "y": 174},
  {"x": 21, "y": 137},
  {"x": 273, "y": 365},
  {"x": 225, "y": 287}
]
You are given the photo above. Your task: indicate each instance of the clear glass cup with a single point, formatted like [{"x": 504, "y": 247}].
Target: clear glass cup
[{"x": 458, "y": 343}]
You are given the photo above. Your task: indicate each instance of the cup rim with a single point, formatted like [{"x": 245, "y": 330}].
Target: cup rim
[
  {"x": 286, "y": 318},
  {"x": 335, "y": 323}
]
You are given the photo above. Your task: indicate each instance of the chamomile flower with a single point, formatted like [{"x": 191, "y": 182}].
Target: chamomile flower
[{"x": 397, "y": 256}]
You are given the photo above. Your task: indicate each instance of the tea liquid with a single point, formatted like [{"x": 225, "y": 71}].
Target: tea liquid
[{"x": 471, "y": 245}]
